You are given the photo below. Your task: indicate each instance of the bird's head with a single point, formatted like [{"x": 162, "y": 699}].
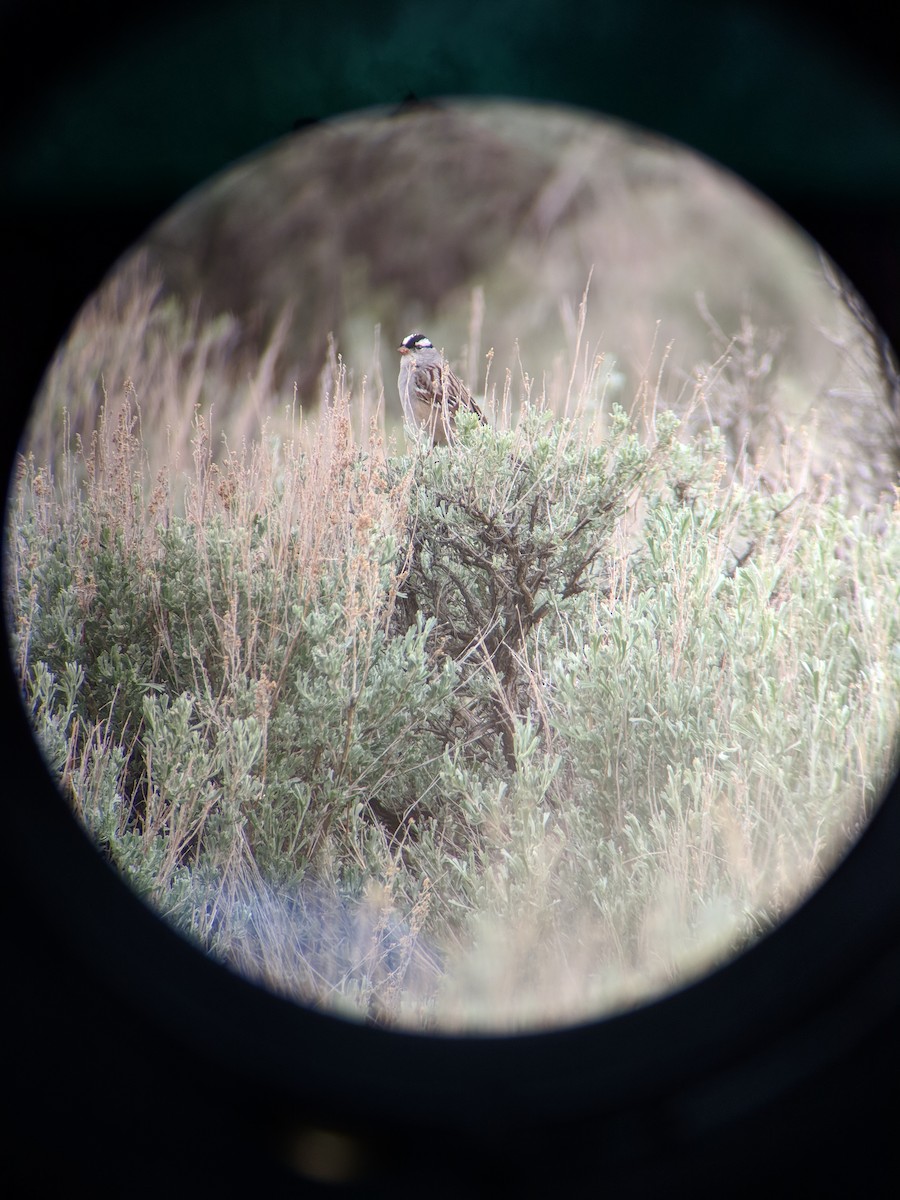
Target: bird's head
[{"x": 413, "y": 342}]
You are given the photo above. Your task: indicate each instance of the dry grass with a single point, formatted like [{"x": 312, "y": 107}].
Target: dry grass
[{"x": 216, "y": 642}]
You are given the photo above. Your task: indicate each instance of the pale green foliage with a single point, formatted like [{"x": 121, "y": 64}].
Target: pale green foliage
[
  {"x": 505, "y": 532},
  {"x": 745, "y": 709},
  {"x": 500, "y": 734}
]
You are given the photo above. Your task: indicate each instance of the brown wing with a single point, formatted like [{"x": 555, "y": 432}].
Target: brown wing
[{"x": 434, "y": 385}]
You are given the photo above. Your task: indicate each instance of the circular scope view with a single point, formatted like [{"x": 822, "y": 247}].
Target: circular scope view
[{"x": 453, "y": 567}]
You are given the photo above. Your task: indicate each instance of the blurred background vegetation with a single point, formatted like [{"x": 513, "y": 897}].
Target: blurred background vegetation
[
  {"x": 485, "y": 224},
  {"x": 103, "y": 131}
]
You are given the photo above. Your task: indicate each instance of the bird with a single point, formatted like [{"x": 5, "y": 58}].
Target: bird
[{"x": 430, "y": 393}]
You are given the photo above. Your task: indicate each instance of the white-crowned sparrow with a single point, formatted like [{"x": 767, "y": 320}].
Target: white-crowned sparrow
[{"x": 430, "y": 393}]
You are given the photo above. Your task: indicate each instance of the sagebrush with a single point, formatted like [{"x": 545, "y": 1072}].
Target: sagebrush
[{"x": 521, "y": 730}]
